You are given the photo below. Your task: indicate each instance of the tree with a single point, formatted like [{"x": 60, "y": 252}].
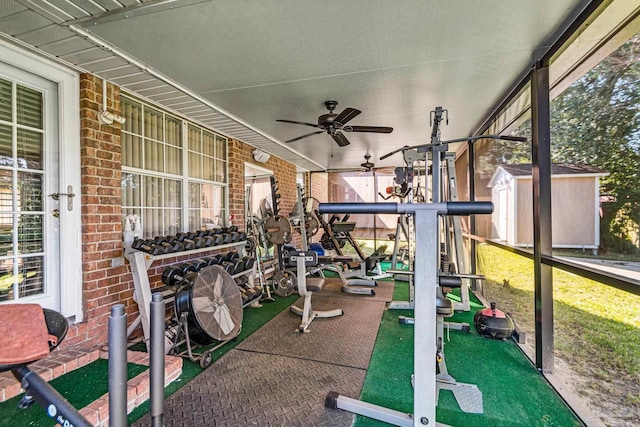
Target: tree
[{"x": 596, "y": 122}]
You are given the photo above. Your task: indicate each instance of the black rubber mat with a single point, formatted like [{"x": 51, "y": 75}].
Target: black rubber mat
[
  {"x": 346, "y": 340},
  {"x": 246, "y": 388},
  {"x": 383, "y": 292}
]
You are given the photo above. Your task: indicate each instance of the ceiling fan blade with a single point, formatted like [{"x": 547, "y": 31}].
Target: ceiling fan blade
[
  {"x": 340, "y": 139},
  {"x": 346, "y": 115},
  {"x": 298, "y": 123},
  {"x": 304, "y": 136},
  {"x": 375, "y": 129}
]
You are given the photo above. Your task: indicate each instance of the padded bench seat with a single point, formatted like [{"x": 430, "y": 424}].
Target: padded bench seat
[{"x": 315, "y": 284}]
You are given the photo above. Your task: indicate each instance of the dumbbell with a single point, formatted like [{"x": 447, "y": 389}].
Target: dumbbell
[
  {"x": 229, "y": 267},
  {"x": 146, "y": 246},
  {"x": 182, "y": 236},
  {"x": 235, "y": 236},
  {"x": 242, "y": 282},
  {"x": 198, "y": 263},
  {"x": 169, "y": 246},
  {"x": 199, "y": 242},
  {"x": 242, "y": 236},
  {"x": 173, "y": 275},
  {"x": 232, "y": 228},
  {"x": 195, "y": 234},
  {"x": 217, "y": 239},
  {"x": 232, "y": 256},
  {"x": 238, "y": 266},
  {"x": 253, "y": 293},
  {"x": 220, "y": 258},
  {"x": 188, "y": 244},
  {"x": 210, "y": 260},
  {"x": 248, "y": 261},
  {"x": 208, "y": 241},
  {"x": 226, "y": 238},
  {"x": 158, "y": 240}
]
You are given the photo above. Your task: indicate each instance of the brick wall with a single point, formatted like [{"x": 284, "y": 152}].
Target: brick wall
[
  {"x": 319, "y": 186},
  {"x": 104, "y": 285}
]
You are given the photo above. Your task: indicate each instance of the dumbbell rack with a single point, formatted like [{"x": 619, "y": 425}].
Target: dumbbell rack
[{"x": 141, "y": 261}]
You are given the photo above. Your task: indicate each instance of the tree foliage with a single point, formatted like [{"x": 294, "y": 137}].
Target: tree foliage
[{"x": 596, "y": 122}]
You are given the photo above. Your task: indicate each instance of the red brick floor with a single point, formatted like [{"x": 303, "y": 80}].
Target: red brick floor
[{"x": 62, "y": 361}]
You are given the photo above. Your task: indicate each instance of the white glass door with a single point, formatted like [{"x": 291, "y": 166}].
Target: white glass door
[{"x": 29, "y": 220}]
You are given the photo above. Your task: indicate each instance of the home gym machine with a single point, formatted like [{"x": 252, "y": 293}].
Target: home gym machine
[
  {"x": 426, "y": 221},
  {"x": 443, "y": 188},
  {"x": 256, "y": 245},
  {"x": 354, "y": 273}
]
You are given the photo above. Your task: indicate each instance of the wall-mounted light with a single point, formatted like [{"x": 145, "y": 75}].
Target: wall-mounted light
[{"x": 260, "y": 156}]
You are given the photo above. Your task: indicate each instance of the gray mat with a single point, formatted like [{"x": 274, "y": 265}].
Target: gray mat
[
  {"x": 245, "y": 388},
  {"x": 384, "y": 290},
  {"x": 347, "y": 340}
]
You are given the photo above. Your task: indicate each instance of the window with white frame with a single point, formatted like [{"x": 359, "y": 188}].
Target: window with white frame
[{"x": 174, "y": 173}]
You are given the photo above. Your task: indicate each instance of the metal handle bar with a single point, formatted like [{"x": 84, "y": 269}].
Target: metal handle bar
[
  {"x": 426, "y": 147},
  {"x": 447, "y": 208}
]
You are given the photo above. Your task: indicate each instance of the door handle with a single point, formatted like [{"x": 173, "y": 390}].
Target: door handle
[{"x": 69, "y": 194}]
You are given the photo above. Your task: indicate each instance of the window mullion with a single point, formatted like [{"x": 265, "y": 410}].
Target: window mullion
[{"x": 184, "y": 210}]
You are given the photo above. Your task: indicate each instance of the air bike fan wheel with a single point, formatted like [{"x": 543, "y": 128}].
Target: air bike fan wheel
[{"x": 212, "y": 303}]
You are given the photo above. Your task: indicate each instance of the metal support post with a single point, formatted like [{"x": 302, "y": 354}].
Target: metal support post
[
  {"x": 426, "y": 267},
  {"x": 140, "y": 261},
  {"x": 542, "y": 238},
  {"x": 118, "y": 367},
  {"x": 456, "y": 223},
  {"x": 156, "y": 360},
  {"x": 472, "y": 219}
]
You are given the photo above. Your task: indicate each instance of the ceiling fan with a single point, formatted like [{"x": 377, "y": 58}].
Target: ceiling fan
[
  {"x": 367, "y": 165},
  {"x": 333, "y": 124}
]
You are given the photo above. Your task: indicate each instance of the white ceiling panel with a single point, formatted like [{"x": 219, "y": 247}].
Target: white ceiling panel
[
  {"x": 238, "y": 66},
  {"x": 395, "y": 61}
]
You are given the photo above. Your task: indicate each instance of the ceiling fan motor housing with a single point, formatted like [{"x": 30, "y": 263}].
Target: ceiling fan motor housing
[{"x": 326, "y": 119}]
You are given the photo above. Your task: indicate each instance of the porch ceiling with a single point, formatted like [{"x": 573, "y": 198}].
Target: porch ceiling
[{"x": 238, "y": 66}]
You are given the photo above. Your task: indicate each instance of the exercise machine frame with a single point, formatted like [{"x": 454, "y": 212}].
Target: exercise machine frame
[{"x": 425, "y": 273}]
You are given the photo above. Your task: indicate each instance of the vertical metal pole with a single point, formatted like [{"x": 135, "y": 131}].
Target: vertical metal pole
[
  {"x": 472, "y": 218},
  {"x": 156, "y": 360},
  {"x": 542, "y": 239},
  {"x": 425, "y": 272},
  {"x": 118, "y": 367}
]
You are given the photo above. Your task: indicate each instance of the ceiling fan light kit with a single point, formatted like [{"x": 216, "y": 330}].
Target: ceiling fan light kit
[{"x": 334, "y": 124}]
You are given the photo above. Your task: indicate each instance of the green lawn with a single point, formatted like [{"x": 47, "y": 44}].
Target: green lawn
[{"x": 596, "y": 327}]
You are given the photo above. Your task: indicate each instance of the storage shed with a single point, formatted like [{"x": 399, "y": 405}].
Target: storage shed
[{"x": 575, "y": 205}]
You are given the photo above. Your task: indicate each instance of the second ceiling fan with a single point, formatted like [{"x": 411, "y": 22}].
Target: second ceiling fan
[{"x": 333, "y": 124}]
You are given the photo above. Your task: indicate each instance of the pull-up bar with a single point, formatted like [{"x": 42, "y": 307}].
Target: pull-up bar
[{"x": 445, "y": 208}]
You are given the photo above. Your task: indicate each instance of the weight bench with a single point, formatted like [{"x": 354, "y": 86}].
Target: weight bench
[
  {"x": 29, "y": 334},
  {"x": 306, "y": 287}
]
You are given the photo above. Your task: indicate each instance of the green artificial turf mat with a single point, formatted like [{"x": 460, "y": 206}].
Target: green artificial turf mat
[
  {"x": 514, "y": 393},
  {"x": 252, "y": 320},
  {"x": 80, "y": 387}
]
